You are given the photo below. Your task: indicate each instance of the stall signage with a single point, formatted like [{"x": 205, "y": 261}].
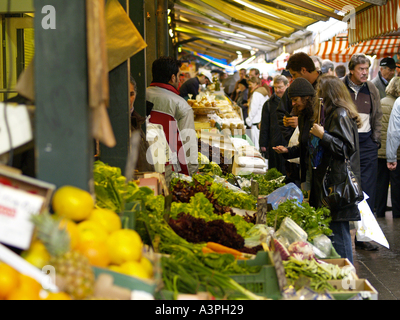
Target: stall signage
[{"x": 16, "y": 208}]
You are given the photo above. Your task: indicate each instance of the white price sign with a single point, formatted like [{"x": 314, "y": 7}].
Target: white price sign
[{"x": 16, "y": 208}]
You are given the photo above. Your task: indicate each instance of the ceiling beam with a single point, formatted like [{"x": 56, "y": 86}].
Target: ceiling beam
[
  {"x": 278, "y": 20},
  {"x": 315, "y": 9},
  {"x": 262, "y": 36},
  {"x": 214, "y": 31},
  {"x": 229, "y": 18},
  {"x": 292, "y": 10}
]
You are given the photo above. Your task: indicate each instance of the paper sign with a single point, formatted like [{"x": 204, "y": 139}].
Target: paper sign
[
  {"x": 19, "y": 125},
  {"x": 16, "y": 208}
]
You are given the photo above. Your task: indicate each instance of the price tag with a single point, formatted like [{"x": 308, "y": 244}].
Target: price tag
[
  {"x": 16, "y": 208},
  {"x": 262, "y": 208}
]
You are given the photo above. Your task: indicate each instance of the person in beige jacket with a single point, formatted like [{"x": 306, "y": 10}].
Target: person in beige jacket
[{"x": 384, "y": 174}]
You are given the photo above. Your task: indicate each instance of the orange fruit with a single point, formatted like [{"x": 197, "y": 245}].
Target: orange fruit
[
  {"x": 9, "y": 280},
  {"x": 58, "y": 296},
  {"x": 72, "y": 230},
  {"x": 124, "y": 245},
  {"x": 91, "y": 231},
  {"x": 28, "y": 289},
  {"x": 29, "y": 284},
  {"x": 107, "y": 218},
  {"x": 21, "y": 294},
  {"x": 96, "y": 252},
  {"x": 72, "y": 203}
]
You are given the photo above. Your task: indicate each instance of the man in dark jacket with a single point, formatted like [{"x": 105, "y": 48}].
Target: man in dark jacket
[
  {"x": 386, "y": 72},
  {"x": 300, "y": 65},
  {"x": 367, "y": 100},
  {"x": 270, "y": 134},
  {"x": 192, "y": 85}
]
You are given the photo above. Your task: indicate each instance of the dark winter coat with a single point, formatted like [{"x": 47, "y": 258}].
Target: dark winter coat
[
  {"x": 271, "y": 135},
  {"x": 341, "y": 134}
]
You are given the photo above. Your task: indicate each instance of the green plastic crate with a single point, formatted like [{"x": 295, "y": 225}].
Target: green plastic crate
[{"x": 264, "y": 283}]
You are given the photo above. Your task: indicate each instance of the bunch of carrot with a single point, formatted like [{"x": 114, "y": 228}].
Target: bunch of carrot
[{"x": 213, "y": 247}]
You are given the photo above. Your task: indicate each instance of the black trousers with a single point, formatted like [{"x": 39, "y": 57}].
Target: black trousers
[
  {"x": 384, "y": 177},
  {"x": 368, "y": 166}
]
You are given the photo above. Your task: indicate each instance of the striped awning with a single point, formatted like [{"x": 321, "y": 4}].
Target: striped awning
[
  {"x": 340, "y": 5},
  {"x": 374, "y": 22},
  {"x": 339, "y": 50}
]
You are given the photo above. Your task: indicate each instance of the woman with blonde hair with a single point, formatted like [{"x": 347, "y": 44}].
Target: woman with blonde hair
[
  {"x": 339, "y": 139},
  {"x": 384, "y": 174}
]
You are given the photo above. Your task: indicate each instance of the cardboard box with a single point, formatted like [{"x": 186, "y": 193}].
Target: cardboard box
[
  {"x": 153, "y": 180},
  {"x": 349, "y": 288},
  {"x": 20, "y": 198},
  {"x": 342, "y": 262},
  {"x": 28, "y": 184}
]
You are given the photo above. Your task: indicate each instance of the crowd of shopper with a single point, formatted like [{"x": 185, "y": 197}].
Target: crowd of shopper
[{"x": 354, "y": 121}]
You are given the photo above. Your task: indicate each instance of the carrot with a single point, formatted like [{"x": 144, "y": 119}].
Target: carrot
[
  {"x": 223, "y": 249},
  {"x": 207, "y": 250}
]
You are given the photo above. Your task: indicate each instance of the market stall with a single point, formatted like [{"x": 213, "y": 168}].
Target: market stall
[{"x": 255, "y": 235}]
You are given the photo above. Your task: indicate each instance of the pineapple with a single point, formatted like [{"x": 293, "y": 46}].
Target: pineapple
[{"x": 73, "y": 270}]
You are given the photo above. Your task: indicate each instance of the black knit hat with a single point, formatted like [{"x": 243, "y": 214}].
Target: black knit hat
[
  {"x": 301, "y": 87},
  {"x": 244, "y": 82}
]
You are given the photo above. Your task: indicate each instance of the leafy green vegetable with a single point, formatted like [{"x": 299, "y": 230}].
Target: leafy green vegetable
[
  {"x": 234, "y": 199},
  {"x": 266, "y": 183},
  {"x": 186, "y": 272},
  {"x": 317, "y": 273},
  {"x": 313, "y": 222},
  {"x": 200, "y": 207}
]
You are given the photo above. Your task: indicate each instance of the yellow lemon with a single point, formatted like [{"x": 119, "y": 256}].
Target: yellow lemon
[
  {"x": 73, "y": 231},
  {"x": 37, "y": 254},
  {"x": 147, "y": 265},
  {"x": 124, "y": 245},
  {"x": 72, "y": 203},
  {"x": 135, "y": 269},
  {"x": 115, "y": 268},
  {"x": 107, "y": 218},
  {"x": 91, "y": 231}
]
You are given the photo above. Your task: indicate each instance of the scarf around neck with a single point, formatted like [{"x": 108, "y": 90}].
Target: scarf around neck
[{"x": 165, "y": 86}]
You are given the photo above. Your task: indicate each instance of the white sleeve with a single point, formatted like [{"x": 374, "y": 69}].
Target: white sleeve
[
  {"x": 256, "y": 104},
  {"x": 393, "y": 133}
]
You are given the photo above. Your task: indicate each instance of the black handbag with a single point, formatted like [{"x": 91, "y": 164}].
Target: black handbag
[{"x": 343, "y": 194}]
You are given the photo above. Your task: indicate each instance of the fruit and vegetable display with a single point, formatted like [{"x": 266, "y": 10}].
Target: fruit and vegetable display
[{"x": 198, "y": 245}]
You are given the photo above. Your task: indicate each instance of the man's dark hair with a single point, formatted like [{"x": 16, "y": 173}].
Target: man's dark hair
[
  {"x": 164, "y": 67},
  {"x": 358, "y": 58},
  {"x": 300, "y": 60},
  {"x": 340, "y": 71}
]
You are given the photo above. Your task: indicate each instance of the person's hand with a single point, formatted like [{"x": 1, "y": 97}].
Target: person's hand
[
  {"x": 263, "y": 149},
  {"x": 290, "y": 121},
  {"x": 317, "y": 130},
  {"x": 280, "y": 149},
  {"x": 392, "y": 166}
]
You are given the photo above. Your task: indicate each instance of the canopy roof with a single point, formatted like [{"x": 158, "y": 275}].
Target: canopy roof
[{"x": 221, "y": 28}]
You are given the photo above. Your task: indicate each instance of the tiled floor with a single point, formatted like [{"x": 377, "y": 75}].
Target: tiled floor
[{"x": 382, "y": 267}]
